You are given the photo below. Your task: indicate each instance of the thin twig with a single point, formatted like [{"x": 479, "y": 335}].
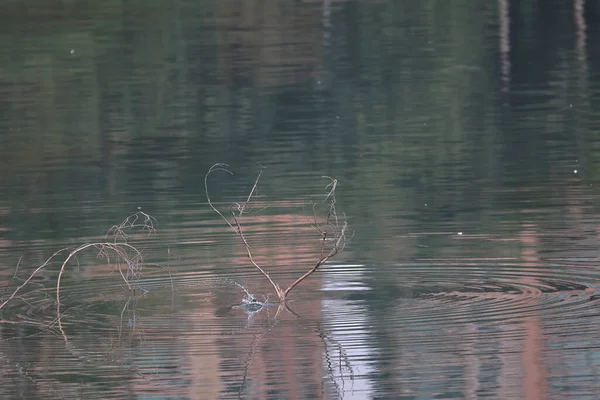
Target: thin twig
[
  {"x": 21, "y": 286},
  {"x": 337, "y": 235},
  {"x": 251, "y": 193},
  {"x": 238, "y": 227},
  {"x": 12, "y": 277}
]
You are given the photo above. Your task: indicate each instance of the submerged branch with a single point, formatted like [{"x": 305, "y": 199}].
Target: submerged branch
[{"x": 123, "y": 253}]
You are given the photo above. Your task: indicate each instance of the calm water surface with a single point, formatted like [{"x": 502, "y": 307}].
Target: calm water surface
[{"x": 464, "y": 137}]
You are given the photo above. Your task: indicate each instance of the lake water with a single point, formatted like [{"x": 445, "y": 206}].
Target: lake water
[{"x": 464, "y": 137}]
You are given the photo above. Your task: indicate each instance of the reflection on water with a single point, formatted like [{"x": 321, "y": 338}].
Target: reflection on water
[
  {"x": 466, "y": 152},
  {"x": 447, "y": 328}
]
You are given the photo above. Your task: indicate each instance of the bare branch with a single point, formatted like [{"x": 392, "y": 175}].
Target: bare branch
[{"x": 333, "y": 236}]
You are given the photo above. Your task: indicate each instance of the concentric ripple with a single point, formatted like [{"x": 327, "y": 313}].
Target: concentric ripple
[
  {"x": 457, "y": 293},
  {"x": 504, "y": 292}
]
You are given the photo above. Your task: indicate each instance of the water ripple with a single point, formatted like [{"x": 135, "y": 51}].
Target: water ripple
[{"x": 448, "y": 294}]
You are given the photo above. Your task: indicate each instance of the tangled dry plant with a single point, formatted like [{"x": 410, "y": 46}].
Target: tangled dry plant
[
  {"x": 126, "y": 258},
  {"x": 332, "y": 229}
]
